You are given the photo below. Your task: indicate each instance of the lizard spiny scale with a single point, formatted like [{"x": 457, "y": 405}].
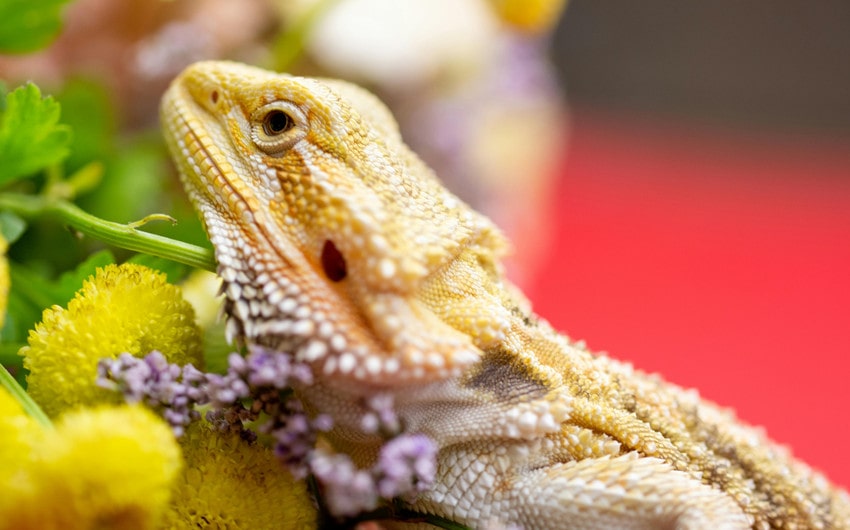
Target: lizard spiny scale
[{"x": 532, "y": 428}]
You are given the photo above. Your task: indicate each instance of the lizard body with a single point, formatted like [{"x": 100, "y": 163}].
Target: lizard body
[{"x": 335, "y": 242}]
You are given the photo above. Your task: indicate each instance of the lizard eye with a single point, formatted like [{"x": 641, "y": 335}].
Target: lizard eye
[
  {"x": 277, "y": 126},
  {"x": 277, "y": 122}
]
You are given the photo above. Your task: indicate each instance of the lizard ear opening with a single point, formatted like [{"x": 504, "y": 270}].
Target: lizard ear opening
[{"x": 332, "y": 262}]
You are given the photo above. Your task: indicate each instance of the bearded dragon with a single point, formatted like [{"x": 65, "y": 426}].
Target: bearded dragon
[{"x": 335, "y": 242}]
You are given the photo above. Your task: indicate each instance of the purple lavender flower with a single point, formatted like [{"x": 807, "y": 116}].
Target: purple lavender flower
[
  {"x": 254, "y": 396},
  {"x": 406, "y": 465},
  {"x": 226, "y": 390},
  {"x": 347, "y": 490},
  {"x": 294, "y": 436},
  {"x": 381, "y": 416},
  {"x": 167, "y": 388},
  {"x": 272, "y": 369}
]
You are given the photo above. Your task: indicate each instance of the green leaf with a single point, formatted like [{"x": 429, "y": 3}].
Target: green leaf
[
  {"x": 32, "y": 292},
  {"x": 21, "y": 316},
  {"x": 27, "y": 25},
  {"x": 216, "y": 348},
  {"x": 11, "y": 360},
  {"x": 44, "y": 292},
  {"x": 31, "y": 137},
  {"x": 11, "y": 226}
]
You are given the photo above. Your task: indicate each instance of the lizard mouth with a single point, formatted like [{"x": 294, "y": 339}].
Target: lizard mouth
[{"x": 201, "y": 165}]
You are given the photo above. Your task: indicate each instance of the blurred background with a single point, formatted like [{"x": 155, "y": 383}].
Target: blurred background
[
  {"x": 675, "y": 176},
  {"x": 703, "y": 204}
]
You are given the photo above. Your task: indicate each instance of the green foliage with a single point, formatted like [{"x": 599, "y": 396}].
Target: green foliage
[
  {"x": 132, "y": 183},
  {"x": 136, "y": 173},
  {"x": 113, "y": 176},
  {"x": 27, "y": 25},
  {"x": 80, "y": 174},
  {"x": 31, "y": 137},
  {"x": 11, "y": 226},
  {"x": 33, "y": 291},
  {"x": 88, "y": 110}
]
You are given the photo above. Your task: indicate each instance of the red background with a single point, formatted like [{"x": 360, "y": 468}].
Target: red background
[{"x": 718, "y": 260}]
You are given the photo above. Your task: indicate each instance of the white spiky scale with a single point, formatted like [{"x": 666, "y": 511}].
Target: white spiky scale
[
  {"x": 373, "y": 365},
  {"x": 303, "y": 328},
  {"x": 325, "y": 331},
  {"x": 330, "y": 365},
  {"x": 338, "y": 342},
  {"x": 347, "y": 362},
  {"x": 314, "y": 351},
  {"x": 304, "y": 312}
]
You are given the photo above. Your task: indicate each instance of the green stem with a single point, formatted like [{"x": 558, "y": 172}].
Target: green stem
[
  {"x": 30, "y": 407},
  {"x": 119, "y": 235},
  {"x": 403, "y": 514}
]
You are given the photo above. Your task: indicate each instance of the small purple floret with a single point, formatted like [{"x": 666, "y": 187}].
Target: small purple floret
[
  {"x": 347, "y": 490},
  {"x": 406, "y": 465},
  {"x": 253, "y": 397},
  {"x": 381, "y": 416},
  {"x": 167, "y": 388}
]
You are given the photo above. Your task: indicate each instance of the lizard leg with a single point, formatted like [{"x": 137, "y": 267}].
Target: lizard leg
[
  {"x": 626, "y": 492},
  {"x": 623, "y": 492}
]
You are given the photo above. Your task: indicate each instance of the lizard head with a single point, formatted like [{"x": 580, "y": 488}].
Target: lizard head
[{"x": 326, "y": 226}]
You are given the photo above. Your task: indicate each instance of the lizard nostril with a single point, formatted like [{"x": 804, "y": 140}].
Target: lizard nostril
[
  {"x": 332, "y": 262},
  {"x": 214, "y": 96}
]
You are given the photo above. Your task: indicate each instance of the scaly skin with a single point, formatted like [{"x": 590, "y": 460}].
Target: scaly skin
[{"x": 335, "y": 242}]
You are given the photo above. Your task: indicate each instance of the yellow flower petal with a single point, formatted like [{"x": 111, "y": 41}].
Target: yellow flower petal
[
  {"x": 229, "y": 483},
  {"x": 126, "y": 308},
  {"x": 201, "y": 289},
  {"x": 529, "y": 15},
  {"x": 18, "y": 435},
  {"x": 109, "y": 467}
]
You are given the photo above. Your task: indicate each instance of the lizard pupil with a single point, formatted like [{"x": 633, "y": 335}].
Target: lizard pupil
[
  {"x": 277, "y": 122},
  {"x": 332, "y": 262}
]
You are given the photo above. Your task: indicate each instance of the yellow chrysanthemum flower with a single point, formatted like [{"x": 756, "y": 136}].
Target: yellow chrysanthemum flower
[
  {"x": 201, "y": 289},
  {"x": 229, "y": 483},
  {"x": 4, "y": 280},
  {"x": 124, "y": 308},
  {"x": 529, "y": 15},
  {"x": 109, "y": 467},
  {"x": 19, "y": 433}
]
